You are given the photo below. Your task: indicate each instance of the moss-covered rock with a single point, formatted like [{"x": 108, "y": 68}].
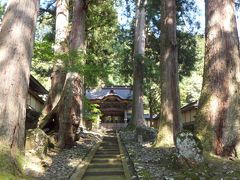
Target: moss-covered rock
[
  {"x": 189, "y": 147},
  {"x": 37, "y": 141},
  {"x": 148, "y": 134}
]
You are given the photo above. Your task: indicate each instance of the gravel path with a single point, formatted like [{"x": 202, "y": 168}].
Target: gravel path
[
  {"x": 61, "y": 165},
  {"x": 148, "y": 162}
]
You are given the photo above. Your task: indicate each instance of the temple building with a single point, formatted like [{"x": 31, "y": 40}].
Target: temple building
[
  {"x": 188, "y": 115},
  {"x": 37, "y": 95},
  {"x": 115, "y": 104}
]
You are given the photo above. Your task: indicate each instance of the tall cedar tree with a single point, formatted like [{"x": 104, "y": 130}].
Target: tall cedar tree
[
  {"x": 16, "y": 37},
  {"x": 68, "y": 87},
  {"x": 72, "y": 96},
  {"x": 58, "y": 75},
  {"x": 78, "y": 41},
  {"x": 170, "y": 110},
  {"x": 138, "y": 66},
  {"x": 219, "y": 108}
]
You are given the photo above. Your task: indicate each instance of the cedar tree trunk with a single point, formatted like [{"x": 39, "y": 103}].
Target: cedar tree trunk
[
  {"x": 58, "y": 75},
  {"x": 219, "y": 108},
  {"x": 170, "y": 110},
  {"x": 16, "y": 43},
  {"x": 138, "y": 71},
  {"x": 70, "y": 111}
]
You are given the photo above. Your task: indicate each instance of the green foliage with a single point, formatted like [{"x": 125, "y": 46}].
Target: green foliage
[
  {"x": 190, "y": 86},
  {"x": 2, "y": 10},
  {"x": 102, "y": 31},
  {"x": 45, "y": 28},
  {"x": 123, "y": 66},
  {"x": 91, "y": 111},
  {"x": 42, "y": 62},
  {"x": 187, "y": 53},
  {"x": 43, "y": 52}
]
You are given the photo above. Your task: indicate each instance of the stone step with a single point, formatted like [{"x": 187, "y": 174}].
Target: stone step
[
  {"x": 105, "y": 170},
  {"x": 99, "y": 165},
  {"x": 107, "y": 152},
  {"x": 109, "y": 161},
  {"x": 106, "y": 156},
  {"x": 113, "y": 177},
  {"x": 108, "y": 148},
  {"x": 110, "y": 154},
  {"x": 106, "y": 163},
  {"x": 104, "y": 173},
  {"x": 109, "y": 145}
]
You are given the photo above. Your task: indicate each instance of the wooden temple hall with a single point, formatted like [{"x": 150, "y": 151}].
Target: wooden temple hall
[{"x": 115, "y": 104}]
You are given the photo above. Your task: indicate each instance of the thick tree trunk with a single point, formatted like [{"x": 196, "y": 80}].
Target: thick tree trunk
[
  {"x": 16, "y": 43},
  {"x": 65, "y": 100},
  {"x": 170, "y": 108},
  {"x": 138, "y": 71},
  {"x": 58, "y": 75},
  {"x": 219, "y": 108},
  {"x": 70, "y": 111},
  {"x": 78, "y": 41}
]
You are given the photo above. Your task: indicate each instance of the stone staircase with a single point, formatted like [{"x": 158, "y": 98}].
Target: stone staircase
[{"x": 106, "y": 163}]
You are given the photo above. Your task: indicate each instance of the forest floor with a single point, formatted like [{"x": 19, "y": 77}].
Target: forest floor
[
  {"x": 61, "y": 164},
  {"x": 162, "y": 164}
]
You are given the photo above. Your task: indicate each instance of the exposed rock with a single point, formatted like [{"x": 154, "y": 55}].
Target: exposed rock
[
  {"x": 189, "y": 147},
  {"x": 37, "y": 142},
  {"x": 147, "y": 133}
]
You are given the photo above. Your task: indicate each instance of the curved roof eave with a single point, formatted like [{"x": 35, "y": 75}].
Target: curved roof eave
[{"x": 114, "y": 95}]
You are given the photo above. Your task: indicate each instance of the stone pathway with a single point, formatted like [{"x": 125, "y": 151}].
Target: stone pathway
[{"x": 107, "y": 162}]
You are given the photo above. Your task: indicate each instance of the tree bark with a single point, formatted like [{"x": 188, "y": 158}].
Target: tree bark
[
  {"x": 170, "y": 104},
  {"x": 70, "y": 112},
  {"x": 58, "y": 75},
  {"x": 16, "y": 44},
  {"x": 65, "y": 100},
  {"x": 138, "y": 71},
  {"x": 78, "y": 41},
  {"x": 219, "y": 108}
]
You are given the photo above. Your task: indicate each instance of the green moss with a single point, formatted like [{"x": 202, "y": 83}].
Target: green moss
[
  {"x": 10, "y": 166},
  {"x": 6, "y": 161},
  {"x": 7, "y": 176},
  {"x": 20, "y": 160},
  {"x": 204, "y": 130},
  {"x": 145, "y": 175},
  {"x": 215, "y": 171},
  {"x": 165, "y": 136}
]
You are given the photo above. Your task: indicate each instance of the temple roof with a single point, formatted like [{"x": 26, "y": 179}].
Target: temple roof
[
  {"x": 190, "y": 106},
  {"x": 37, "y": 90},
  {"x": 36, "y": 86},
  {"x": 122, "y": 92}
]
